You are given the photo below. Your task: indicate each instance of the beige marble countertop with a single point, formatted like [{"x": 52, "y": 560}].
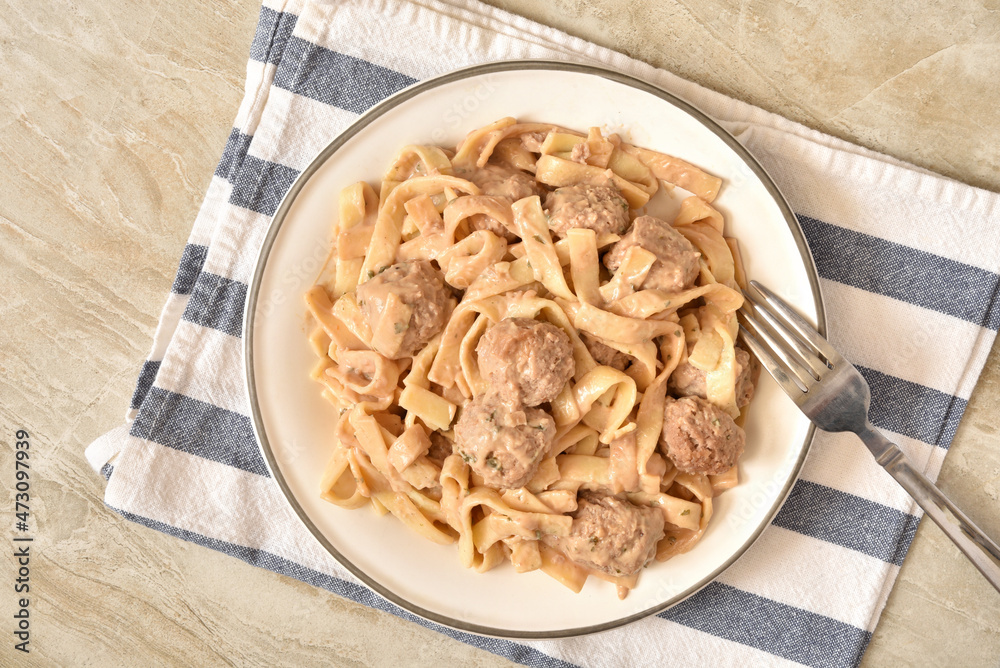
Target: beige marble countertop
[{"x": 112, "y": 118}]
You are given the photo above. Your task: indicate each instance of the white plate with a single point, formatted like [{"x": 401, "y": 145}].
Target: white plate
[{"x": 293, "y": 422}]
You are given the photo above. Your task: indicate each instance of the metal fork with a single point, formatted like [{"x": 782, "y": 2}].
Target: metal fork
[{"x": 834, "y": 395}]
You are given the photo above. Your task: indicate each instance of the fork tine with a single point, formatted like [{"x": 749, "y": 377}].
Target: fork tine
[
  {"x": 794, "y": 321},
  {"x": 772, "y": 365},
  {"x": 792, "y": 366},
  {"x": 802, "y": 353}
]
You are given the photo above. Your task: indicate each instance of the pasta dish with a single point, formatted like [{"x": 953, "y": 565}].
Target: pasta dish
[{"x": 525, "y": 362}]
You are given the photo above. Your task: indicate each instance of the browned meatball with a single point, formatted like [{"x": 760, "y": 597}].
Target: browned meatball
[
  {"x": 746, "y": 383},
  {"x": 605, "y": 354},
  {"x": 503, "y": 443},
  {"x": 420, "y": 287},
  {"x": 480, "y": 221},
  {"x": 598, "y": 208},
  {"x": 688, "y": 380},
  {"x": 440, "y": 448},
  {"x": 526, "y": 361},
  {"x": 700, "y": 437},
  {"x": 511, "y": 184},
  {"x": 676, "y": 267},
  {"x": 611, "y": 535},
  {"x": 505, "y": 183}
]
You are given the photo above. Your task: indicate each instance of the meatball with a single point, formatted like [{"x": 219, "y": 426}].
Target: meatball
[
  {"x": 421, "y": 289},
  {"x": 676, "y": 267},
  {"x": 481, "y": 221},
  {"x": 688, "y": 380},
  {"x": 510, "y": 184},
  {"x": 440, "y": 448},
  {"x": 605, "y": 354},
  {"x": 504, "y": 443},
  {"x": 598, "y": 208},
  {"x": 611, "y": 535},
  {"x": 504, "y": 183},
  {"x": 746, "y": 382},
  {"x": 526, "y": 361},
  {"x": 700, "y": 437}
]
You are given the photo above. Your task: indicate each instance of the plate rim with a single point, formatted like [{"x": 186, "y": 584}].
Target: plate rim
[{"x": 328, "y": 151}]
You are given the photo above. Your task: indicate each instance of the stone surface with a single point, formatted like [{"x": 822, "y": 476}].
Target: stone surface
[{"x": 112, "y": 117}]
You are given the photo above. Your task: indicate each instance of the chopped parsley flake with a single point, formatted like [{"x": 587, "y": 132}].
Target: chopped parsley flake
[
  {"x": 467, "y": 458},
  {"x": 370, "y": 274},
  {"x": 686, "y": 511},
  {"x": 539, "y": 239},
  {"x": 715, "y": 422},
  {"x": 399, "y": 327},
  {"x": 494, "y": 464},
  {"x": 538, "y": 534}
]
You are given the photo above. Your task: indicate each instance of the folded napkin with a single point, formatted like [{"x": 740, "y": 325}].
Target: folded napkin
[{"x": 909, "y": 265}]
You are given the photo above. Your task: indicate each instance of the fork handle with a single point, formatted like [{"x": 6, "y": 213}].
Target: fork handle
[{"x": 977, "y": 546}]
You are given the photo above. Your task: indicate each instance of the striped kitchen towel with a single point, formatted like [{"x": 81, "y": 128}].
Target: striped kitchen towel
[{"x": 915, "y": 254}]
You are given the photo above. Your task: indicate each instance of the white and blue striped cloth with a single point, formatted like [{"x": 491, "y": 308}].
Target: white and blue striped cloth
[{"x": 909, "y": 263}]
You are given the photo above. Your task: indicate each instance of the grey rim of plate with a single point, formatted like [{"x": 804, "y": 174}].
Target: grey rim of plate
[{"x": 360, "y": 124}]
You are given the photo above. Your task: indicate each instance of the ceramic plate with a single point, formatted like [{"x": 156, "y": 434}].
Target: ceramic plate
[{"x": 293, "y": 423}]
